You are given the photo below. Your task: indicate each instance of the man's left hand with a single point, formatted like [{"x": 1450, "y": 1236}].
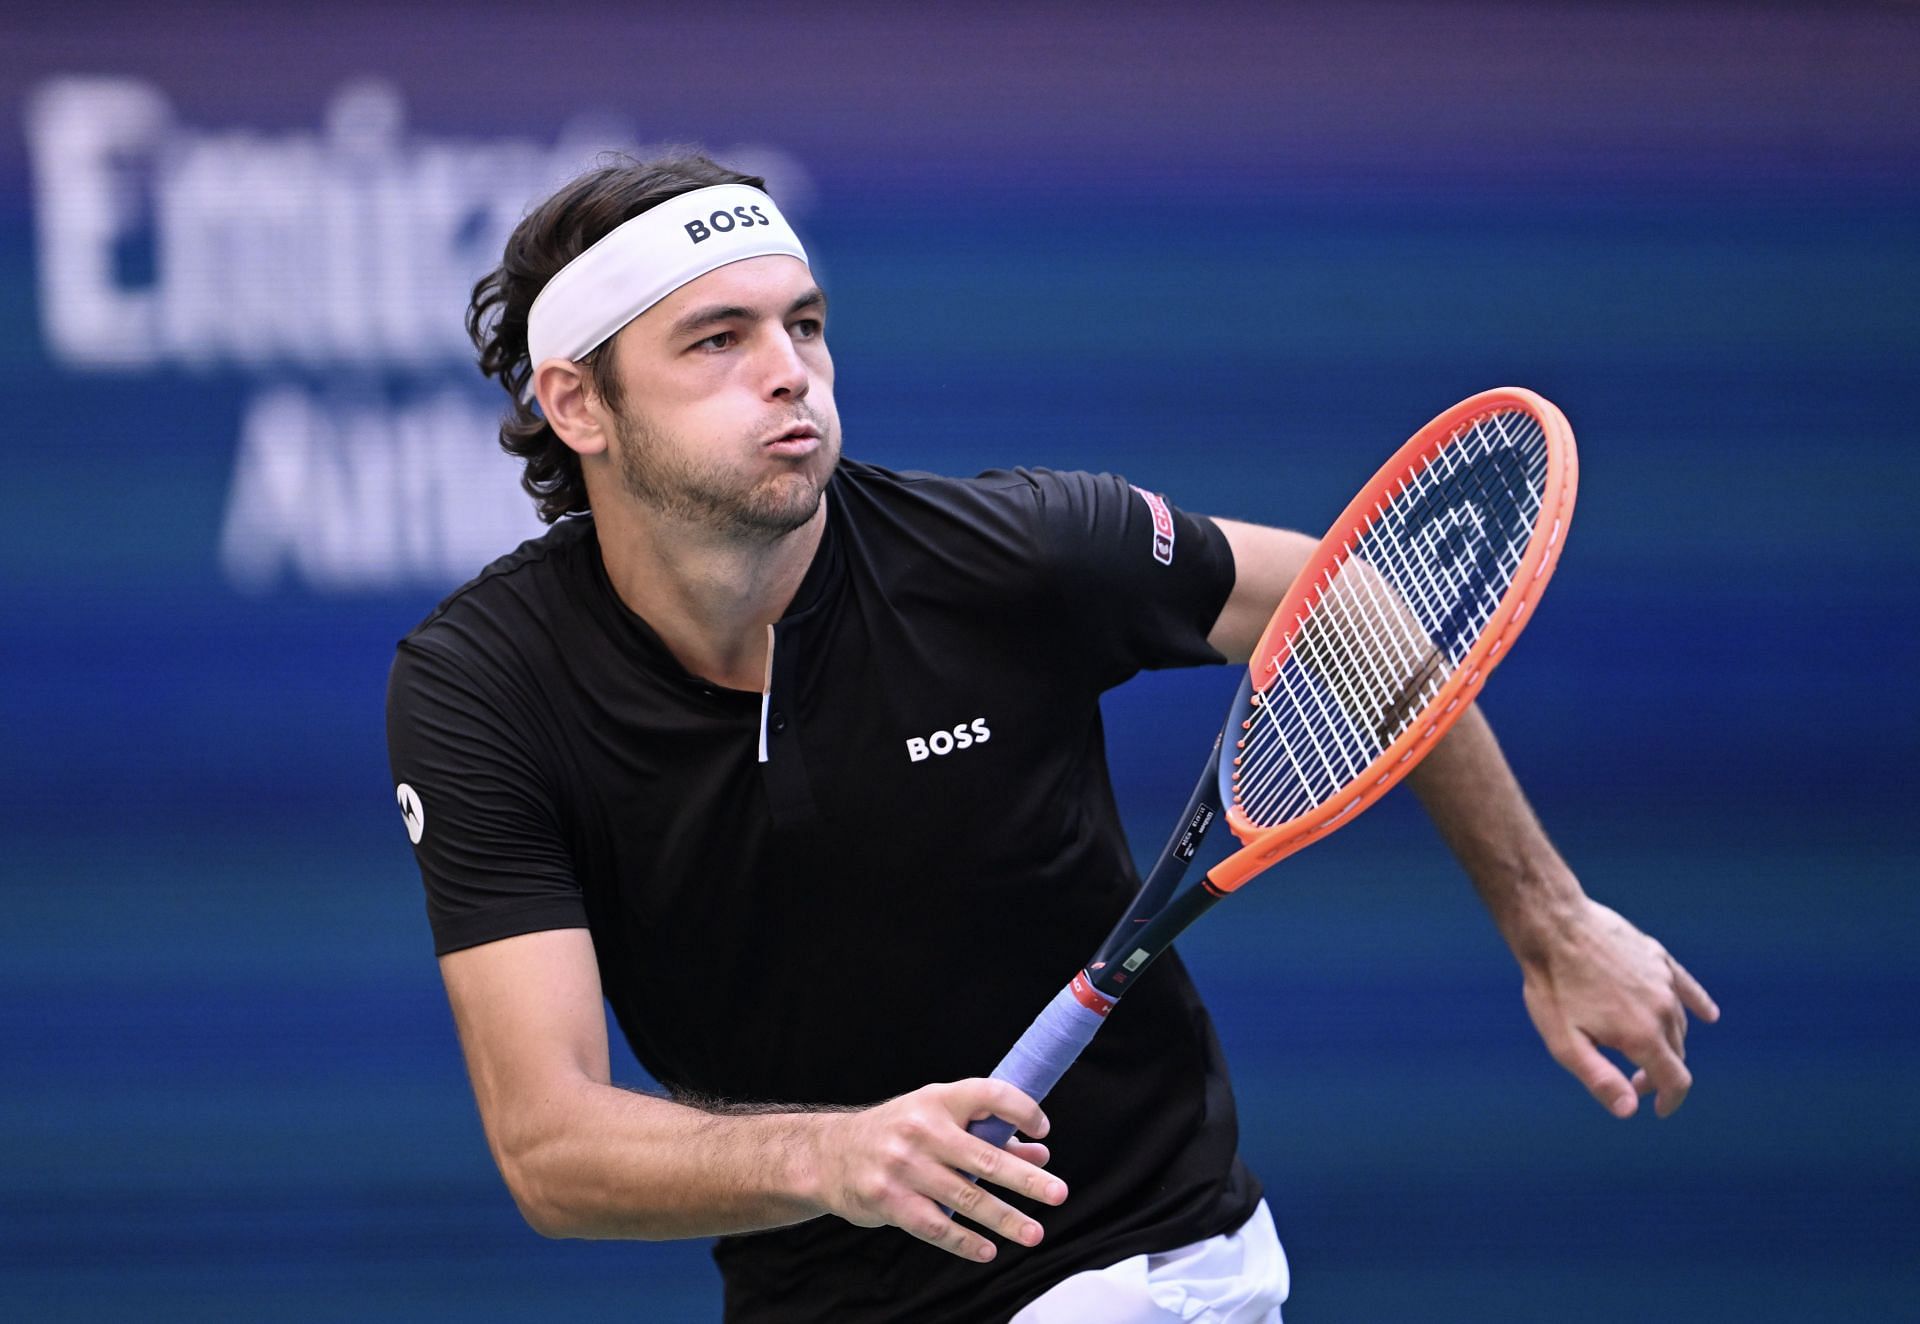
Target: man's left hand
[{"x": 1593, "y": 980}]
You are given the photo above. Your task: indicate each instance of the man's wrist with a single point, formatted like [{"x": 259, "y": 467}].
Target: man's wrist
[
  {"x": 1534, "y": 910},
  {"x": 804, "y": 1145}
]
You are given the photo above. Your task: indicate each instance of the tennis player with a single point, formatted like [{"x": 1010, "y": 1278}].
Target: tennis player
[{"x": 798, "y": 764}]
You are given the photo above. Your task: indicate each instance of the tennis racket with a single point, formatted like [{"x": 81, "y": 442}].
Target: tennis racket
[{"x": 1412, "y": 598}]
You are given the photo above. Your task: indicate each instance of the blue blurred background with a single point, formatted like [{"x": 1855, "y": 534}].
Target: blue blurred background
[{"x": 1236, "y": 252}]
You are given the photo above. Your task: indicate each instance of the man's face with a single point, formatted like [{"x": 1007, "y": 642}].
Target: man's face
[{"x": 728, "y": 419}]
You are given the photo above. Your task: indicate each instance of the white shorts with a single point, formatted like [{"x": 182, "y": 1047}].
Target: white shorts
[{"x": 1238, "y": 1277}]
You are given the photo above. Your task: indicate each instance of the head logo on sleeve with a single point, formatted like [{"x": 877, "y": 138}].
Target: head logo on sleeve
[
  {"x": 412, "y": 811},
  {"x": 1162, "y": 525}
]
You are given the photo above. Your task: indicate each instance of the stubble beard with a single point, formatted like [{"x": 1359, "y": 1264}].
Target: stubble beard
[{"x": 660, "y": 477}]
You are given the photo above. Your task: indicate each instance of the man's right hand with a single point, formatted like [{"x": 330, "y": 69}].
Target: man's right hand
[{"x": 897, "y": 1163}]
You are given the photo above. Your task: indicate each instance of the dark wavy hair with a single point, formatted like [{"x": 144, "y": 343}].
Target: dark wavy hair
[{"x": 554, "y": 233}]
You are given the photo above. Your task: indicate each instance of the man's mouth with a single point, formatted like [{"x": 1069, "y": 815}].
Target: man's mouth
[{"x": 800, "y": 439}]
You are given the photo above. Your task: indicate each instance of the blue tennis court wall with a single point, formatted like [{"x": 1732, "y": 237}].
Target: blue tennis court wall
[{"x": 1236, "y": 255}]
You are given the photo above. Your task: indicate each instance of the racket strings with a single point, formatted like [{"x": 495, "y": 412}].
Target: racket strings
[
  {"x": 1390, "y": 622},
  {"x": 1433, "y": 584}
]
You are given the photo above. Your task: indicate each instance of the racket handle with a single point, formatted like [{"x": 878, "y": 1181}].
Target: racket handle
[{"x": 1035, "y": 1063}]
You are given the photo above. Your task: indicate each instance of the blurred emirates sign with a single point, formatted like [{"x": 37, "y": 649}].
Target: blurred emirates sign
[{"x": 347, "y": 251}]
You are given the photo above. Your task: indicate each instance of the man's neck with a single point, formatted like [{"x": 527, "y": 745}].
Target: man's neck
[{"x": 710, "y": 598}]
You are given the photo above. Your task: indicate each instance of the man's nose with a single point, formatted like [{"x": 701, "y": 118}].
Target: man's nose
[{"x": 787, "y": 376}]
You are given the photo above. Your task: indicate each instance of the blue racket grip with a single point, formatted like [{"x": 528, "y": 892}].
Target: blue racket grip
[{"x": 1042, "y": 1055}]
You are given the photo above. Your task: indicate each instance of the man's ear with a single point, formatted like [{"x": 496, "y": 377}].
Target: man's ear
[{"x": 566, "y": 398}]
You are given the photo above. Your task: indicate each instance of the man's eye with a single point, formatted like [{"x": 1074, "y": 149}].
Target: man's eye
[
  {"x": 718, "y": 340},
  {"x": 807, "y": 328}
]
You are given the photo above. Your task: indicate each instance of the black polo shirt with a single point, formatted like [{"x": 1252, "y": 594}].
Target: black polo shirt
[{"x": 868, "y": 882}]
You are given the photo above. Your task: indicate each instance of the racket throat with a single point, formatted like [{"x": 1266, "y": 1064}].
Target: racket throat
[
  {"x": 1113, "y": 976},
  {"x": 1202, "y": 811}
]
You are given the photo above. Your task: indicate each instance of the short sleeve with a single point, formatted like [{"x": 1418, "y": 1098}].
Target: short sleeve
[
  {"x": 478, "y": 808},
  {"x": 1142, "y": 581}
]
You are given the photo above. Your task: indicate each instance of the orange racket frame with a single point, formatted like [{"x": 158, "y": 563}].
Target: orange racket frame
[
  {"x": 1264, "y": 846},
  {"x": 1067, "y": 1024}
]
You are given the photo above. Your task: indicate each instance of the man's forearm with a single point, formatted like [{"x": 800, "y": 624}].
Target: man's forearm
[
  {"x": 602, "y": 1162},
  {"x": 607, "y": 1162},
  {"x": 1474, "y": 800}
]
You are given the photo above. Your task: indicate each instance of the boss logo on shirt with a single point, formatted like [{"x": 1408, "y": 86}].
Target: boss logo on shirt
[
  {"x": 1162, "y": 525},
  {"x": 941, "y": 743},
  {"x": 740, "y": 218}
]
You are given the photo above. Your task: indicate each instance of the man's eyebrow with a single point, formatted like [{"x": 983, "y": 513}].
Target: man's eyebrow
[{"x": 702, "y": 317}]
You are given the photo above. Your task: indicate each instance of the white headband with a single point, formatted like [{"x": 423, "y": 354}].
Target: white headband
[{"x": 649, "y": 257}]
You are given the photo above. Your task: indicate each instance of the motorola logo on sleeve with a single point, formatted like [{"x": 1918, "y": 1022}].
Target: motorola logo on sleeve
[{"x": 412, "y": 812}]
